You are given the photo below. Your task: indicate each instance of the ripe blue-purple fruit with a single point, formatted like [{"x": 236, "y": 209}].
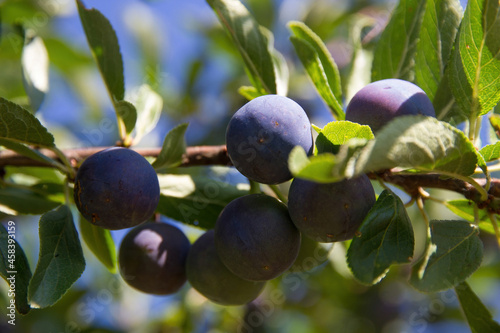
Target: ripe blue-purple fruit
[
  {"x": 116, "y": 188},
  {"x": 207, "y": 274},
  {"x": 255, "y": 237},
  {"x": 381, "y": 101},
  {"x": 330, "y": 212},
  {"x": 261, "y": 134},
  {"x": 152, "y": 258}
]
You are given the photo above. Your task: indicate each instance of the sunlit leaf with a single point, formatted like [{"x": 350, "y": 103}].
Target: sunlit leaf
[
  {"x": 35, "y": 64},
  {"x": 395, "y": 51},
  {"x": 251, "y": 42}
]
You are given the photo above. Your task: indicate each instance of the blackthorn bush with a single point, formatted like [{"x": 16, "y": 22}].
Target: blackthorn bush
[
  {"x": 379, "y": 102},
  {"x": 261, "y": 134},
  {"x": 152, "y": 258},
  {"x": 255, "y": 237},
  {"x": 116, "y": 188},
  {"x": 330, "y": 212},
  {"x": 207, "y": 274}
]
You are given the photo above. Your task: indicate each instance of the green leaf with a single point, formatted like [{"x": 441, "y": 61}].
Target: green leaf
[
  {"x": 465, "y": 209},
  {"x": 174, "y": 146},
  {"x": 18, "y": 124},
  {"x": 337, "y": 133},
  {"x": 196, "y": 200},
  {"x": 446, "y": 106},
  {"x": 14, "y": 266},
  {"x": 455, "y": 252},
  {"x": 26, "y": 151},
  {"x": 491, "y": 152},
  {"x": 395, "y": 51},
  {"x": 359, "y": 73},
  {"x": 316, "y": 168},
  {"x": 35, "y": 65},
  {"x": 60, "y": 262},
  {"x": 417, "y": 142},
  {"x": 440, "y": 25},
  {"x": 386, "y": 238},
  {"x": 249, "y": 92},
  {"x": 475, "y": 66},
  {"x": 281, "y": 71},
  {"x": 478, "y": 317},
  {"x": 408, "y": 142},
  {"x": 312, "y": 63},
  {"x": 302, "y": 31},
  {"x": 22, "y": 201},
  {"x": 105, "y": 48},
  {"x": 149, "y": 105},
  {"x": 127, "y": 115},
  {"x": 252, "y": 43},
  {"x": 100, "y": 242},
  {"x": 319, "y": 65}
]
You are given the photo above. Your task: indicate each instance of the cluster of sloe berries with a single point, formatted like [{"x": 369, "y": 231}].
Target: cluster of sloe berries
[{"x": 256, "y": 237}]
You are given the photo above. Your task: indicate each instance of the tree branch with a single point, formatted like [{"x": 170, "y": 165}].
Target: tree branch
[
  {"x": 194, "y": 156},
  {"x": 217, "y": 155}
]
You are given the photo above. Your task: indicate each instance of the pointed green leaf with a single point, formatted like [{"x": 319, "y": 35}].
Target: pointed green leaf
[
  {"x": 251, "y": 42},
  {"x": 337, "y": 133},
  {"x": 100, "y": 242},
  {"x": 478, "y": 317},
  {"x": 105, "y": 48},
  {"x": 302, "y": 31},
  {"x": 14, "y": 267},
  {"x": 437, "y": 34},
  {"x": 149, "y": 105},
  {"x": 395, "y": 51},
  {"x": 319, "y": 65},
  {"x": 312, "y": 63},
  {"x": 196, "y": 200},
  {"x": 174, "y": 146},
  {"x": 35, "y": 64},
  {"x": 24, "y": 201},
  {"x": 26, "y": 151},
  {"x": 18, "y": 124},
  {"x": 60, "y": 262},
  {"x": 476, "y": 59},
  {"x": 127, "y": 115},
  {"x": 386, "y": 238},
  {"x": 455, "y": 252}
]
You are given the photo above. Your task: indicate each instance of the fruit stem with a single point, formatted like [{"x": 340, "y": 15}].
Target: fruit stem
[
  {"x": 254, "y": 187},
  {"x": 278, "y": 193},
  {"x": 493, "y": 220},
  {"x": 481, "y": 190},
  {"x": 68, "y": 168}
]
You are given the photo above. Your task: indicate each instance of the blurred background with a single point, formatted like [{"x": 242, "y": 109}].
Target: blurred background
[{"x": 180, "y": 50}]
